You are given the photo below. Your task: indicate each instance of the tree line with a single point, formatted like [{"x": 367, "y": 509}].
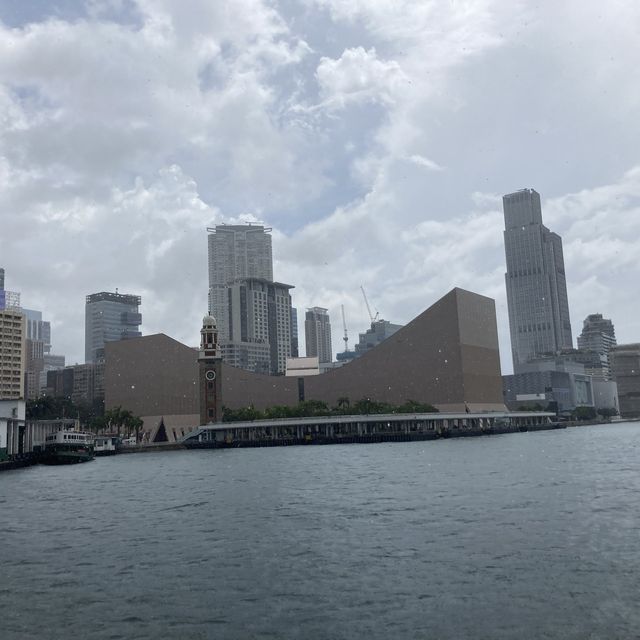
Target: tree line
[
  {"x": 91, "y": 416},
  {"x": 318, "y": 408}
]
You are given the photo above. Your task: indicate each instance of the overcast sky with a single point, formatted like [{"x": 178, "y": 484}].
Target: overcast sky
[{"x": 376, "y": 137}]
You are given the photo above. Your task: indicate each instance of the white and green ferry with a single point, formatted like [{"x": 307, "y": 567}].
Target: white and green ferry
[{"x": 67, "y": 446}]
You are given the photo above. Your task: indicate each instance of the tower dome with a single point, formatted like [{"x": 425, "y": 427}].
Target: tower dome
[{"x": 208, "y": 320}]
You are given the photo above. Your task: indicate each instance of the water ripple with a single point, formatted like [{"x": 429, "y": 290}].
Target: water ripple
[{"x": 526, "y": 535}]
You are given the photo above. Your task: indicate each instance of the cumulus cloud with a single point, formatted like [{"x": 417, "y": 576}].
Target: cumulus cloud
[
  {"x": 375, "y": 137},
  {"x": 421, "y": 161},
  {"x": 146, "y": 239},
  {"x": 358, "y": 76}
]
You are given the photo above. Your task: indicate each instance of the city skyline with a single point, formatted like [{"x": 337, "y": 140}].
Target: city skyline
[{"x": 378, "y": 157}]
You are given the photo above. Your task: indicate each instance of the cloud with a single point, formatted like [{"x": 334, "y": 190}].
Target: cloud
[
  {"x": 99, "y": 100},
  {"x": 421, "y": 161},
  {"x": 405, "y": 268},
  {"x": 358, "y": 76},
  {"x": 129, "y": 127}
]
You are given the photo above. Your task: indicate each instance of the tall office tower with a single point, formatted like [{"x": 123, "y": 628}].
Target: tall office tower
[
  {"x": 598, "y": 334},
  {"x": 109, "y": 317},
  {"x": 37, "y": 329},
  {"x": 235, "y": 251},
  {"x": 12, "y": 355},
  {"x": 8, "y": 299},
  {"x": 317, "y": 331},
  {"x": 598, "y": 337},
  {"x": 260, "y": 326},
  {"x": 536, "y": 282},
  {"x": 294, "y": 332}
]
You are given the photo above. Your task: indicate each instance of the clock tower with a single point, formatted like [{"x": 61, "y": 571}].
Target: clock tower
[{"x": 209, "y": 361}]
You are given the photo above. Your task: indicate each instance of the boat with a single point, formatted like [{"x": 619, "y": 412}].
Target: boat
[
  {"x": 68, "y": 446},
  {"x": 106, "y": 445}
]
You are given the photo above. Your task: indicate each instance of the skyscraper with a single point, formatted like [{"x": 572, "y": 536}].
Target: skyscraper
[
  {"x": 294, "y": 332},
  {"x": 109, "y": 317},
  {"x": 37, "y": 329},
  {"x": 536, "y": 283},
  {"x": 317, "y": 331},
  {"x": 260, "y": 326},
  {"x": 8, "y": 299},
  {"x": 598, "y": 334},
  {"x": 12, "y": 354},
  {"x": 235, "y": 251},
  {"x": 598, "y": 337}
]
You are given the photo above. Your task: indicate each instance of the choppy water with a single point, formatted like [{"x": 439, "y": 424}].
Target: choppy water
[{"x": 533, "y": 535}]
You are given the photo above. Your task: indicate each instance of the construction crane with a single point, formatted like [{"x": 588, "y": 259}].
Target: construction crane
[
  {"x": 346, "y": 336},
  {"x": 364, "y": 295}
]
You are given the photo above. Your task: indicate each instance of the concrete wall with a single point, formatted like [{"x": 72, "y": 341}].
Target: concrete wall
[
  {"x": 150, "y": 376},
  {"x": 605, "y": 394},
  {"x": 447, "y": 356}
]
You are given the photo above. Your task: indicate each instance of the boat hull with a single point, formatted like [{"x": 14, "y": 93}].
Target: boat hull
[{"x": 67, "y": 456}]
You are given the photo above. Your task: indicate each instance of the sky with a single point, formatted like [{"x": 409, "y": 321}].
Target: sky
[{"x": 376, "y": 138}]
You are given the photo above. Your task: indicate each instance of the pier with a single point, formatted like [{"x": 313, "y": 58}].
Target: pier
[{"x": 365, "y": 429}]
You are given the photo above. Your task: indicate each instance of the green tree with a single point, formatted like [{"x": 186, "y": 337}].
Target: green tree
[
  {"x": 343, "y": 405},
  {"x": 411, "y": 406},
  {"x": 584, "y": 413}
]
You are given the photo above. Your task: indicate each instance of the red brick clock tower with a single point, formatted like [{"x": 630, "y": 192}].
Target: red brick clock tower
[{"x": 209, "y": 360}]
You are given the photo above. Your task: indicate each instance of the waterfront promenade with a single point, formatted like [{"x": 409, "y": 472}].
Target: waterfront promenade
[{"x": 364, "y": 429}]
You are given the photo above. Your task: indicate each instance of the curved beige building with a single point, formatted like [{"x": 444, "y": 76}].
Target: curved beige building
[{"x": 447, "y": 356}]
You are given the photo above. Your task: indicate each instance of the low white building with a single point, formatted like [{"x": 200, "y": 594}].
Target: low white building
[
  {"x": 12, "y": 418},
  {"x": 301, "y": 367}
]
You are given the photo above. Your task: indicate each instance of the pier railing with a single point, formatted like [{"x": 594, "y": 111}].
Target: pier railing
[{"x": 364, "y": 428}]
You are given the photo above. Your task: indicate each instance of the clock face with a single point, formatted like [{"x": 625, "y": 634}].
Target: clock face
[{"x": 210, "y": 375}]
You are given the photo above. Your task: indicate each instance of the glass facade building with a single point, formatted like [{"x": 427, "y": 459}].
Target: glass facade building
[
  {"x": 536, "y": 284},
  {"x": 109, "y": 317},
  {"x": 235, "y": 251}
]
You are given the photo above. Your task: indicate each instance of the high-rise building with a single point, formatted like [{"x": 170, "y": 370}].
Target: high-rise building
[
  {"x": 39, "y": 359},
  {"x": 536, "y": 283},
  {"x": 12, "y": 354},
  {"x": 317, "y": 332},
  {"x": 235, "y": 251},
  {"x": 109, "y": 317},
  {"x": 379, "y": 331},
  {"x": 294, "y": 332},
  {"x": 37, "y": 329},
  {"x": 260, "y": 326},
  {"x": 82, "y": 383},
  {"x": 625, "y": 370},
  {"x": 8, "y": 299},
  {"x": 598, "y": 337}
]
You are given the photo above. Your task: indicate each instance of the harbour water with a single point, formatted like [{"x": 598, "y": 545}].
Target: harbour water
[{"x": 532, "y": 535}]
